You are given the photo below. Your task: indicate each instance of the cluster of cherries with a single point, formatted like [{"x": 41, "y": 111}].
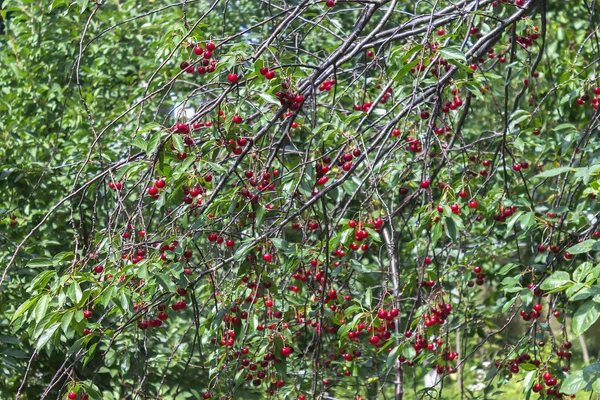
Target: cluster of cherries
[
  {"x": 533, "y": 314},
  {"x": 143, "y": 324},
  {"x": 504, "y": 213},
  {"x": 289, "y": 97},
  {"x": 321, "y": 170},
  {"x": 13, "y": 220},
  {"x": 206, "y": 64},
  {"x": 437, "y": 315},
  {"x": 479, "y": 277},
  {"x": 586, "y": 98},
  {"x": 326, "y": 85}
]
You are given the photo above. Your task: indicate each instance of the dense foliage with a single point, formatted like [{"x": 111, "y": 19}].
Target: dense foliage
[{"x": 300, "y": 199}]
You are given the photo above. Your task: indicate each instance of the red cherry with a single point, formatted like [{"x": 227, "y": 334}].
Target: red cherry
[
  {"x": 374, "y": 340},
  {"x": 198, "y": 50},
  {"x": 270, "y": 75},
  {"x": 232, "y": 78},
  {"x": 159, "y": 183},
  {"x": 152, "y": 190},
  {"x": 87, "y": 314},
  {"x": 267, "y": 257},
  {"x": 286, "y": 351},
  {"x": 72, "y": 395},
  {"x": 210, "y": 46},
  {"x": 425, "y": 184}
]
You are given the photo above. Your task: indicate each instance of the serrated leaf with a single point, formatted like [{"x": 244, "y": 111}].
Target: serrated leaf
[
  {"x": 47, "y": 335},
  {"x": 453, "y": 53},
  {"x": 582, "y": 247},
  {"x": 554, "y": 172},
  {"x": 556, "y": 280},
  {"x": 42, "y": 306},
  {"x": 585, "y": 317},
  {"x": 178, "y": 143},
  {"x": 23, "y": 308}
]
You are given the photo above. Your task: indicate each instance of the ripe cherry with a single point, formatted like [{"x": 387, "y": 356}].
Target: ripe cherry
[
  {"x": 286, "y": 351},
  {"x": 72, "y": 395},
  {"x": 425, "y": 184},
  {"x": 267, "y": 257},
  {"x": 210, "y": 46},
  {"x": 232, "y": 78},
  {"x": 87, "y": 314}
]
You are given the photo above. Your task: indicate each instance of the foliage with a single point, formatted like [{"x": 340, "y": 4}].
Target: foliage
[{"x": 338, "y": 199}]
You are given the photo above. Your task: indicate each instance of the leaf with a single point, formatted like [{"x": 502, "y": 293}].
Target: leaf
[
  {"x": 564, "y": 126},
  {"x": 165, "y": 282},
  {"x": 453, "y": 53},
  {"x": 47, "y": 335},
  {"x": 582, "y": 271},
  {"x": 76, "y": 292},
  {"x": 40, "y": 263},
  {"x": 554, "y": 172},
  {"x": 24, "y": 307},
  {"x": 529, "y": 380},
  {"x": 556, "y": 280},
  {"x": 450, "y": 229},
  {"x": 582, "y": 247},
  {"x": 40, "y": 309},
  {"x": 573, "y": 384},
  {"x": 178, "y": 143},
  {"x": 585, "y": 317},
  {"x": 269, "y": 98}
]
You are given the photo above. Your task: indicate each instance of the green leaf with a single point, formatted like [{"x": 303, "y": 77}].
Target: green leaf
[
  {"x": 47, "y": 335},
  {"x": 582, "y": 271},
  {"x": 556, "y": 280},
  {"x": 582, "y": 247},
  {"x": 166, "y": 283},
  {"x": 564, "y": 126},
  {"x": 269, "y": 99},
  {"x": 450, "y": 229},
  {"x": 23, "y": 308},
  {"x": 178, "y": 143},
  {"x": 453, "y": 53},
  {"x": 40, "y": 309},
  {"x": 554, "y": 172},
  {"x": 40, "y": 263},
  {"x": 585, "y": 317}
]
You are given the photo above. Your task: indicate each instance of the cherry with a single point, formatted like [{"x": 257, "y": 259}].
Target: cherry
[
  {"x": 198, "y": 50},
  {"x": 330, "y": 3},
  {"x": 441, "y": 32},
  {"x": 286, "y": 351},
  {"x": 72, "y": 395},
  {"x": 98, "y": 269},
  {"x": 87, "y": 314},
  {"x": 425, "y": 184},
  {"x": 159, "y": 183},
  {"x": 270, "y": 75},
  {"x": 210, "y": 46},
  {"x": 374, "y": 340},
  {"x": 537, "y": 307},
  {"x": 232, "y": 78},
  {"x": 370, "y": 53},
  {"x": 267, "y": 257},
  {"x": 206, "y": 395},
  {"x": 152, "y": 190}
]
